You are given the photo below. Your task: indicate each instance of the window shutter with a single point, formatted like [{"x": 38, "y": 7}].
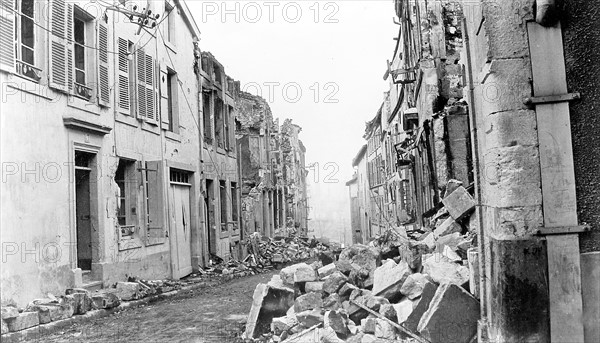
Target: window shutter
[
  {"x": 155, "y": 203},
  {"x": 103, "y": 75},
  {"x": 7, "y": 29},
  {"x": 140, "y": 62},
  {"x": 123, "y": 103},
  {"x": 61, "y": 39},
  {"x": 151, "y": 82},
  {"x": 164, "y": 97}
]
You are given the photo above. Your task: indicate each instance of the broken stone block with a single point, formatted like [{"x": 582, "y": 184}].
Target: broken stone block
[
  {"x": 384, "y": 330},
  {"x": 375, "y": 302},
  {"x": 473, "y": 263},
  {"x": 105, "y": 299},
  {"x": 403, "y": 310},
  {"x": 310, "y": 336},
  {"x": 367, "y": 325},
  {"x": 287, "y": 273},
  {"x": 334, "y": 282},
  {"x": 369, "y": 339},
  {"x": 338, "y": 321},
  {"x": 388, "y": 311},
  {"x": 309, "y": 318},
  {"x": 24, "y": 320},
  {"x": 389, "y": 278},
  {"x": 4, "y": 327},
  {"x": 332, "y": 302},
  {"x": 313, "y": 286},
  {"x": 353, "y": 328},
  {"x": 9, "y": 312},
  {"x": 304, "y": 273},
  {"x": 447, "y": 227},
  {"x": 268, "y": 303},
  {"x": 281, "y": 324},
  {"x": 328, "y": 335},
  {"x": 442, "y": 270},
  {"x": 359, "y": 257},
  {"x": 308, "y": 301},
  {"x": 452, "y": 316},
  {"x": 450, "y": 254},
  {"x": 127, "y": 290},
  {"x": 83, "y": 299},
  {"x": 50, "y": 312},
  {"x": 327, "y": 270},
  {"x": 422, "y": 304},
  {"x": 451, "y": 186},
  {"x": 346, "y": 289},
  {"x": 459, "y": 203},
  {"x": 452, "y": 240},
  {"x": 413, "y": 285}
]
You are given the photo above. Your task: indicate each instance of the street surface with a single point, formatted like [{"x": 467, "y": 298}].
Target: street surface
[{"x": 215, "y": 314}]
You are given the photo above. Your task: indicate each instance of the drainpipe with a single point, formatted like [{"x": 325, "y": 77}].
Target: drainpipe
[
  {"x": 476, "y": 176},
  {"x": 203, "y": 241}
]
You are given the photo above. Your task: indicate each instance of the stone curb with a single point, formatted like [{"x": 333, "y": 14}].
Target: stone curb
[{"x": 36, "y": 333}]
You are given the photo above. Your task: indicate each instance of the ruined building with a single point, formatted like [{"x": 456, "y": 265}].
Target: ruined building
[
  {"x": 221, "y": 191},
  {"x": 496, "y": 97}
]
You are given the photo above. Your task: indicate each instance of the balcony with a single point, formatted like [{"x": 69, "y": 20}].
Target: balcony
[
  {"x": 29, "y": 71},
  {"x": 82, "y": 91}
]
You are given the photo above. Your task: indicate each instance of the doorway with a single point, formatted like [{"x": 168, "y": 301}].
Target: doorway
[
  {"x": 181, "y": 223},
  {"x": 209, "y": 197},
  {"x": 83, "y": 208}
]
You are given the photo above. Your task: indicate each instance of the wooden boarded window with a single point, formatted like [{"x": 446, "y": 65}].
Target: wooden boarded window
[
  {"x": 154, "y": 202},
  {"x": 223, "y": 202}
]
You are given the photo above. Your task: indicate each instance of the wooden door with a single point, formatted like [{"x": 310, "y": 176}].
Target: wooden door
[{"x": 181, "y": 231}]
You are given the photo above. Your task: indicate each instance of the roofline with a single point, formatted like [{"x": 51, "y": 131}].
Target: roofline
[
  {"x": 189, "y": 18},
  {"x": 359, "y": 155}
]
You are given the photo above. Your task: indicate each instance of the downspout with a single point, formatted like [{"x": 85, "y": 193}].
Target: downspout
[
  {"x": 476, "y": 176},
  {"x": 203, "y": 234}
]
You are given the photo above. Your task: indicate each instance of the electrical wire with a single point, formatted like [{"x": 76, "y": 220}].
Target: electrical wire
[{"x": 93, "y": 47}]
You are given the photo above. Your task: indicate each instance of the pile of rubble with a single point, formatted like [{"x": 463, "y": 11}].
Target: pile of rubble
[
  {"x": 269, "y": 252},
  {"x": 398, "y": 288}
]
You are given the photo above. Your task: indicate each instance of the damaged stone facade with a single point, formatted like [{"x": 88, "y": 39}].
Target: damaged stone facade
[{"x": 460, "y": 79}]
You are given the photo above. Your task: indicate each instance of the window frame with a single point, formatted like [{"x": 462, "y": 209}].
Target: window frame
[
  {"x": 31, "y": 71},
  {"x": 85, "y": 91}
]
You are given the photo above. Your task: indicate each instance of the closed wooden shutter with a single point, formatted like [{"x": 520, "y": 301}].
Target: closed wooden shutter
[
  {"x": 140, "y": 58},
  {"x": 154, "y": 189},
  {"x": 150, "y": 89},
  {"x": 103, "y": 74},
  {"x": 7, "y": 29},
  {"x": 124, "y": 101},
  {"x": 164, "y": 97},
  {"x": 61, "y": 45}
]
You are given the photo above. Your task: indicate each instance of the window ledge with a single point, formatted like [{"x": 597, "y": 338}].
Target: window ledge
[
  {"x": 221, "y": 151},
  {"x": 84, "y": 105},
  {"x": 128, "y": 120},
  {"x": 150, "y": 128},
  {"x": 173, "y": 136}
]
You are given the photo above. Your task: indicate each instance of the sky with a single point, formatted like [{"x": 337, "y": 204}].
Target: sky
[{"x": 320, "y": 64}]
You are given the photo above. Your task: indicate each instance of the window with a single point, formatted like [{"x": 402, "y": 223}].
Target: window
[
  {"x": 234, "y": 202},
  {"x": 231, "y": 129},
  {"x": 27, "y": 56},
  {"x": 206, "y": 117},
  {"x": 82, "y": 38},
  {"x": 125, "y": 177},
  {"x": 172, "y": 115},
  {"x": 217, "y": 75},
  {"x": 169, "y": 28},
  {"x": 223, "y": 199},
  {"x": 218, "y": 122},
  {"x": 226, "y": 129}
]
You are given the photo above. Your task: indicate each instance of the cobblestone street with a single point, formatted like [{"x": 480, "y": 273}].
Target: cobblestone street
[{"x": 214, "y": 314}]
